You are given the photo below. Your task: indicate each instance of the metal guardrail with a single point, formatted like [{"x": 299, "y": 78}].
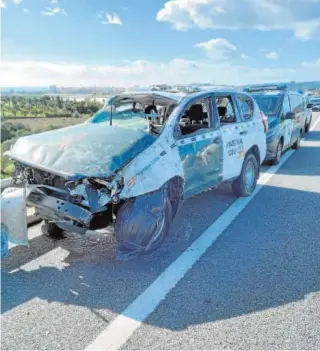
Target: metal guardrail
[{"x": 32, "y": 217}]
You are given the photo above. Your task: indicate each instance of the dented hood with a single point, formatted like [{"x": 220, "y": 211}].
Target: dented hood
[{"x": 84, "y": 150}]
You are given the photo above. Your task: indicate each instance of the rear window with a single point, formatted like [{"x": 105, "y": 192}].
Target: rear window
[{"x": 268, "y": 104}]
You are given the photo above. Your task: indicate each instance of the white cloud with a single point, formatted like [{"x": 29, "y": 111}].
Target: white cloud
[
  {"x": 53, "y": 11},
  {"x": 2, "y": 4},
  {"x": 54, "y": 1},
  {"x": 178, "y": 70},
  {"x": 112, "y": 19},
  {"x": 217, "y": 49},
  {"x": 299, "y": 16},
  {"x": 25, "y": 10},
  {"x": 17, "y": 2},
  {"x": 312, "y": 64},
  {"x": 244, "y": 56},
  {"x": 272, "y": 55}
]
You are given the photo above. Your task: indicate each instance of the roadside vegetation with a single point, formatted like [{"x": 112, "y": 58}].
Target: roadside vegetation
[
  {"x": 47, "y": 113},
  {"x": 46, "y": 106}
]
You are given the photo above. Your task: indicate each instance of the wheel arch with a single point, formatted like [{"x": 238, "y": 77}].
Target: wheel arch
[
  {"x": 175, "y": 192},
  {"x": 256, "y": 152}
]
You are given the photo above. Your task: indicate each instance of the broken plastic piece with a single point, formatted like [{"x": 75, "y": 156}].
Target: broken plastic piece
[{"x": 14, "y": 215}]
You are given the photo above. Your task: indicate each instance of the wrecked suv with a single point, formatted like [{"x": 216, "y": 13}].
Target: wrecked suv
[{"x": 133, "y": 163}]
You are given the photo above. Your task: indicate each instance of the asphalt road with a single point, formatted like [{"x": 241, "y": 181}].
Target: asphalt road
[{"x": 258, "y": 286}]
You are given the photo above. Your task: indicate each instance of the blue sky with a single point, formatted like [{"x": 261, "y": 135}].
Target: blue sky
[{"x": 121, "y": 42}]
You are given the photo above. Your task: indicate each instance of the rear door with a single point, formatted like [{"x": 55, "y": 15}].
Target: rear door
[
  {"x": 251, "y": 121},
  {"x": 296, "y": 102},
  {"x": 235, "y": 135},
  {"x": 287, "y": 125}
]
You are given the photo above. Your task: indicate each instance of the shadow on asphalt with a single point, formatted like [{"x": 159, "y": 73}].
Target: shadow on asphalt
[
  {"x": 298, "y": 167},
  {"x": 103, "y": 276},
  {"x": 245, "y": 271}
]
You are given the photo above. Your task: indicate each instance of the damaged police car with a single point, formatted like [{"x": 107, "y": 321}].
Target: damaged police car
[{"x": 133, "y": 163}]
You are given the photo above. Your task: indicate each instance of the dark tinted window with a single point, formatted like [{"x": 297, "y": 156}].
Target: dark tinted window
[
  {"x": 268, "y": 104},
  {"x": 285, "y": 106},
  {"x": 296, "y": 102},
  {"x": 245, "y": 106}
]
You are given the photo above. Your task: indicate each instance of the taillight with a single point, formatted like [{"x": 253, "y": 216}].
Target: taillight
[{"x": 264, "y": 121}]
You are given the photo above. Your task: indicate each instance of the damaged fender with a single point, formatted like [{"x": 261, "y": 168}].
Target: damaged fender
[{"x": 154, "y": 167}]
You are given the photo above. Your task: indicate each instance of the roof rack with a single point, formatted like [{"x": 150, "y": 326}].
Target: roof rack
[{"x": 266, "y": 88}]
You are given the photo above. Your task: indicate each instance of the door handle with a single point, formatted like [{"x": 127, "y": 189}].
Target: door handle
[
  {"x": 244, "y": 132},
  {"x": 216, "y": 140}
]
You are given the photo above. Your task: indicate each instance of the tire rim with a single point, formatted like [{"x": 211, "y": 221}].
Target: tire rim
[
  {"x": 279, "y": 151},
  {"x": 249, "y": 177}
]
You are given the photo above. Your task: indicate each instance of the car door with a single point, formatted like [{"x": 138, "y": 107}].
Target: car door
[
  {"x": 235, "y": 135},
  {"x": 287, "y": 125},
  {"x": 251, "y": 121},
  {"x": 200, "y": 148}
]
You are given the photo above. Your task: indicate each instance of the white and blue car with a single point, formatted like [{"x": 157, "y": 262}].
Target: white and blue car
[
  {"x": 133, "y": 163},
  {"x": 286, "y": 112}
]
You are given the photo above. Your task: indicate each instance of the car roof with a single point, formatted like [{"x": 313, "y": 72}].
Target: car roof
[
  {"x": 157, "y": 93},
  {"x": 269, "y": 92},
  {"x": 204, "y": 93}
]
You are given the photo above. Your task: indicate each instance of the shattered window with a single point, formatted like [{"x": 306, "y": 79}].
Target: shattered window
[
  {"x": 245, "y": 105},
  {"x": 196, "y": 116},
  {"x": 226, "y": 110}
]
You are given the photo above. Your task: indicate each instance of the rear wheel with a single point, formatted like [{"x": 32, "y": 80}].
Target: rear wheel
[
  {"x": 277, "y": 158},
  {"x": 245, "y": 184},
  {"x": 296, "y": 145},
  {"x": 307, "y": 127}
]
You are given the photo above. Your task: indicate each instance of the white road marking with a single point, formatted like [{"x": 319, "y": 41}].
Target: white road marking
[{"x": 119, "y": 331}]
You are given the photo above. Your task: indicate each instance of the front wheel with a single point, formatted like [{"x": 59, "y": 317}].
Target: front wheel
[
  {"x": 142, "y": 224},
  {"x": 245, "y": 184}
]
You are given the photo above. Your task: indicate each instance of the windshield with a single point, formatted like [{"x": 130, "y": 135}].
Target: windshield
[
  {"x": 315, "y": 101},
  {"x": 122, "y": 113},
  {"x": 268, "y": 104}
]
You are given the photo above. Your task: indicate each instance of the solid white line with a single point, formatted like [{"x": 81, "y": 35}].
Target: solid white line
[
  {"x": 315, "y": 124},
  {"x": 119, "y": 331}
]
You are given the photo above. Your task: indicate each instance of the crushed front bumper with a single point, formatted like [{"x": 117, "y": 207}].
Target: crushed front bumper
[{"x": 14, "y": 203}]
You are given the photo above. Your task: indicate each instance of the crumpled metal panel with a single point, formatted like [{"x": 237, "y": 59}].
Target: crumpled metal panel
[{"x": 85, "y": 150}]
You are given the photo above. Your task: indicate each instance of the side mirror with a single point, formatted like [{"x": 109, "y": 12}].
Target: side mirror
[
  {"x": 309, "y": 106},
  {"x": 290, "y": 115}
]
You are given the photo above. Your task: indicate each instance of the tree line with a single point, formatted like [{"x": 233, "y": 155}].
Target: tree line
[{"x": 47, "y": 106}]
